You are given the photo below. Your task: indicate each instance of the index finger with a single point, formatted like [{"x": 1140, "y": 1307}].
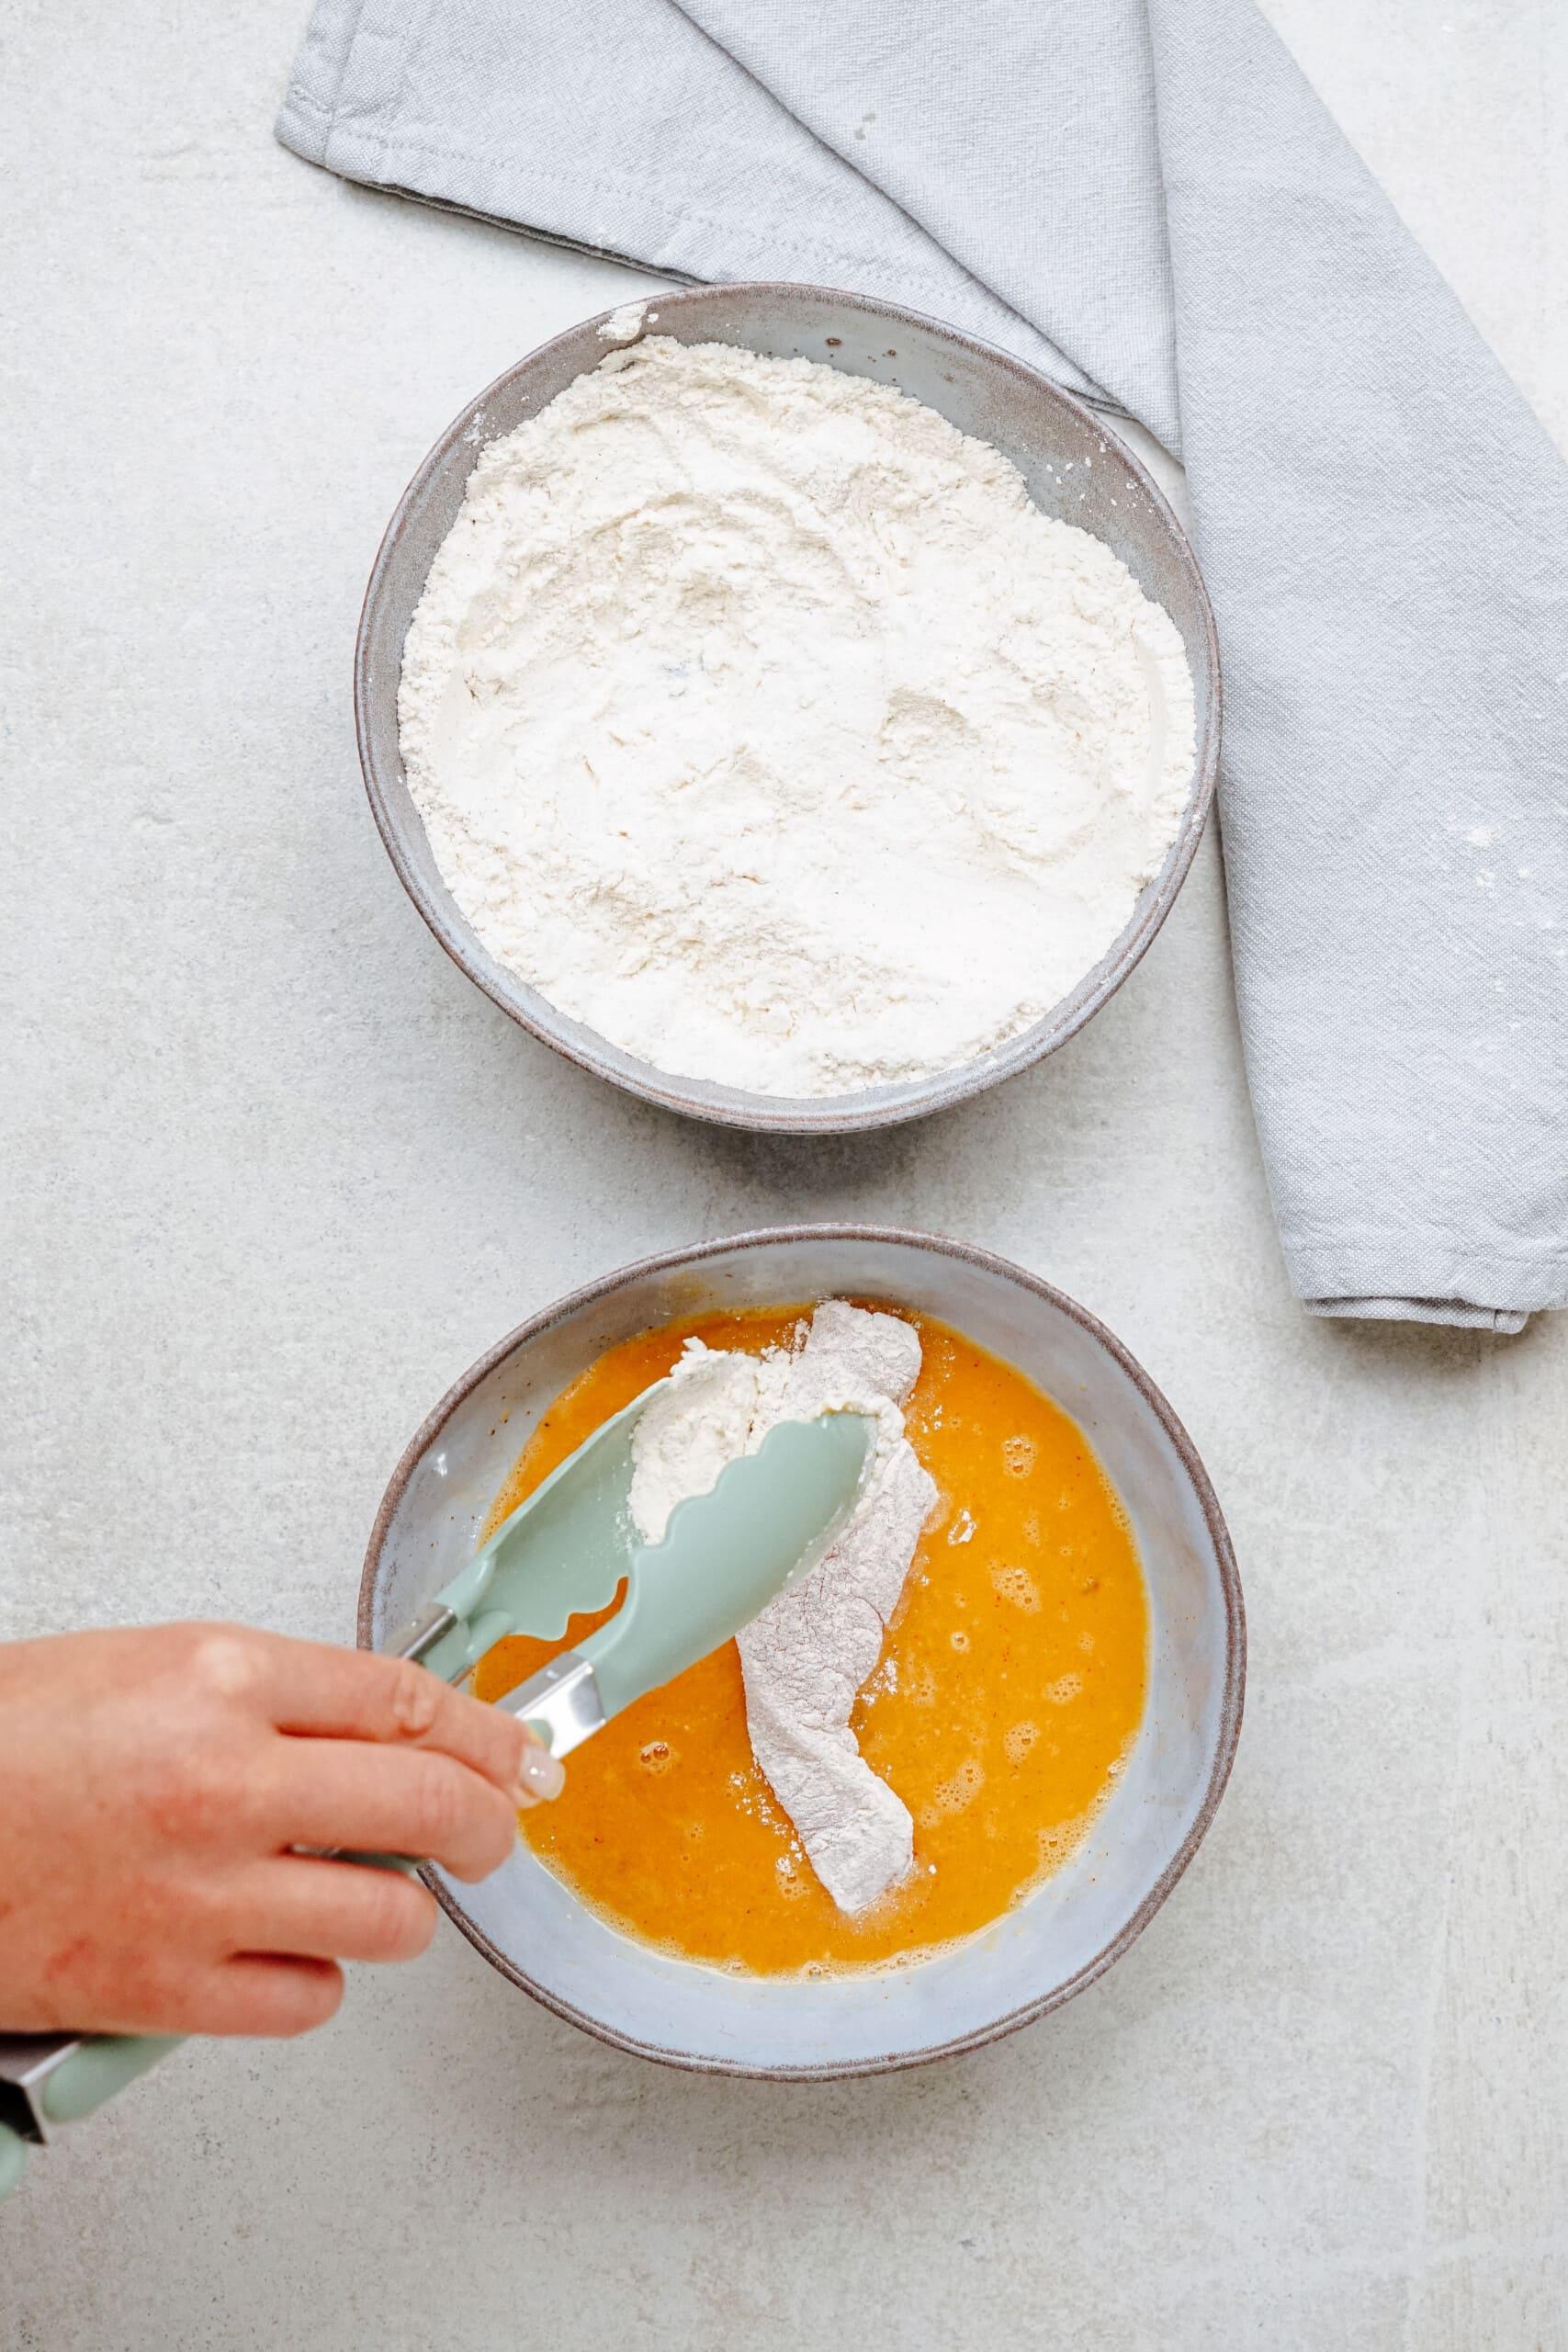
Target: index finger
[{"x": 321, "y": 1692}]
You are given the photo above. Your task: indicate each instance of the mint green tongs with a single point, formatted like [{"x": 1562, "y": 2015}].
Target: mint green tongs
[
  {"x": 767, "y": 1519},
  {"x": 765, "y": 1522}
]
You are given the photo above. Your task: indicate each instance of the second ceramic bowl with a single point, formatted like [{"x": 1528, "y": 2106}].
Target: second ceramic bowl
[
  {"x": 537, "y": 1932},
  {"x": 1073, "y": 468}
]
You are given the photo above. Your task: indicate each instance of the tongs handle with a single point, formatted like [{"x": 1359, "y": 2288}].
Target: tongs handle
[{"x": 48, "y": 2079}]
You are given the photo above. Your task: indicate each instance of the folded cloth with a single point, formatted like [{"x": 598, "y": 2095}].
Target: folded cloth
[{"x": 1144, "y": 198}]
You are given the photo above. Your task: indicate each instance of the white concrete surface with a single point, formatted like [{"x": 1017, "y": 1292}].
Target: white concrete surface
[{"x": 275, "y": 1172}]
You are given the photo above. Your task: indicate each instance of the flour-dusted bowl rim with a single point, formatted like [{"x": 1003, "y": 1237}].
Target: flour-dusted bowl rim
[
  {"x": 529, "y": 1925},
  {"x": 982, "y": 390}
]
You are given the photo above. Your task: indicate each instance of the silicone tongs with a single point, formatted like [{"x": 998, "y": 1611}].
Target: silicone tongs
[{"x": 764, "y": 1524}]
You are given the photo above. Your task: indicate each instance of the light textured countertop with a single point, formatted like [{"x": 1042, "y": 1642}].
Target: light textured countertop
[{"x": 274, "y": 1174}]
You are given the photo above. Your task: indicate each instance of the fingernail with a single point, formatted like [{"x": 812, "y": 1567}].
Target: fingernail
[{"x": 540, "y": 1774}]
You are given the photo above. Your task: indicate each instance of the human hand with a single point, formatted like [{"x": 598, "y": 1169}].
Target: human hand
[{"x": 155, "y": 1784}]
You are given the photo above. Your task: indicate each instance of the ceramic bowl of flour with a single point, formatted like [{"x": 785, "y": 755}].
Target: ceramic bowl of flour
[
  {"x": 530, "y": 1925},
  {"x": 1073, "y": 469}
]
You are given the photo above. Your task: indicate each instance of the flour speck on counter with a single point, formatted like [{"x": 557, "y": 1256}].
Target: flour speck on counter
[{"x": 760, "y": 721}]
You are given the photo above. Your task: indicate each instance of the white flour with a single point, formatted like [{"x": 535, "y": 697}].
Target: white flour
[
  {"x": 806, "y": 1655},
  {"x": 760, "y": 721}
]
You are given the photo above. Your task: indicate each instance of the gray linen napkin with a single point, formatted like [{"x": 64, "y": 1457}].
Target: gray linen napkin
[{"x": 1144, "y": 198}]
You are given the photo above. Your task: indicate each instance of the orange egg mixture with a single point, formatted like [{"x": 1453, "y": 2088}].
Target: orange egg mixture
[{"x": 1010, "y": 1689}]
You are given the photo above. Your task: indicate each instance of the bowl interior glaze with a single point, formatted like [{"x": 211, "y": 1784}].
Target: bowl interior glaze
[
  {"x": 1074, "y": 467},
  {"x": 1036, "y": 1956}
]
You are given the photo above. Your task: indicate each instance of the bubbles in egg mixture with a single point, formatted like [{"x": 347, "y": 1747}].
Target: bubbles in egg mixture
[
  {"x": 1018, "y": 1585},
  {"x": 951, "y": 1796}
]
